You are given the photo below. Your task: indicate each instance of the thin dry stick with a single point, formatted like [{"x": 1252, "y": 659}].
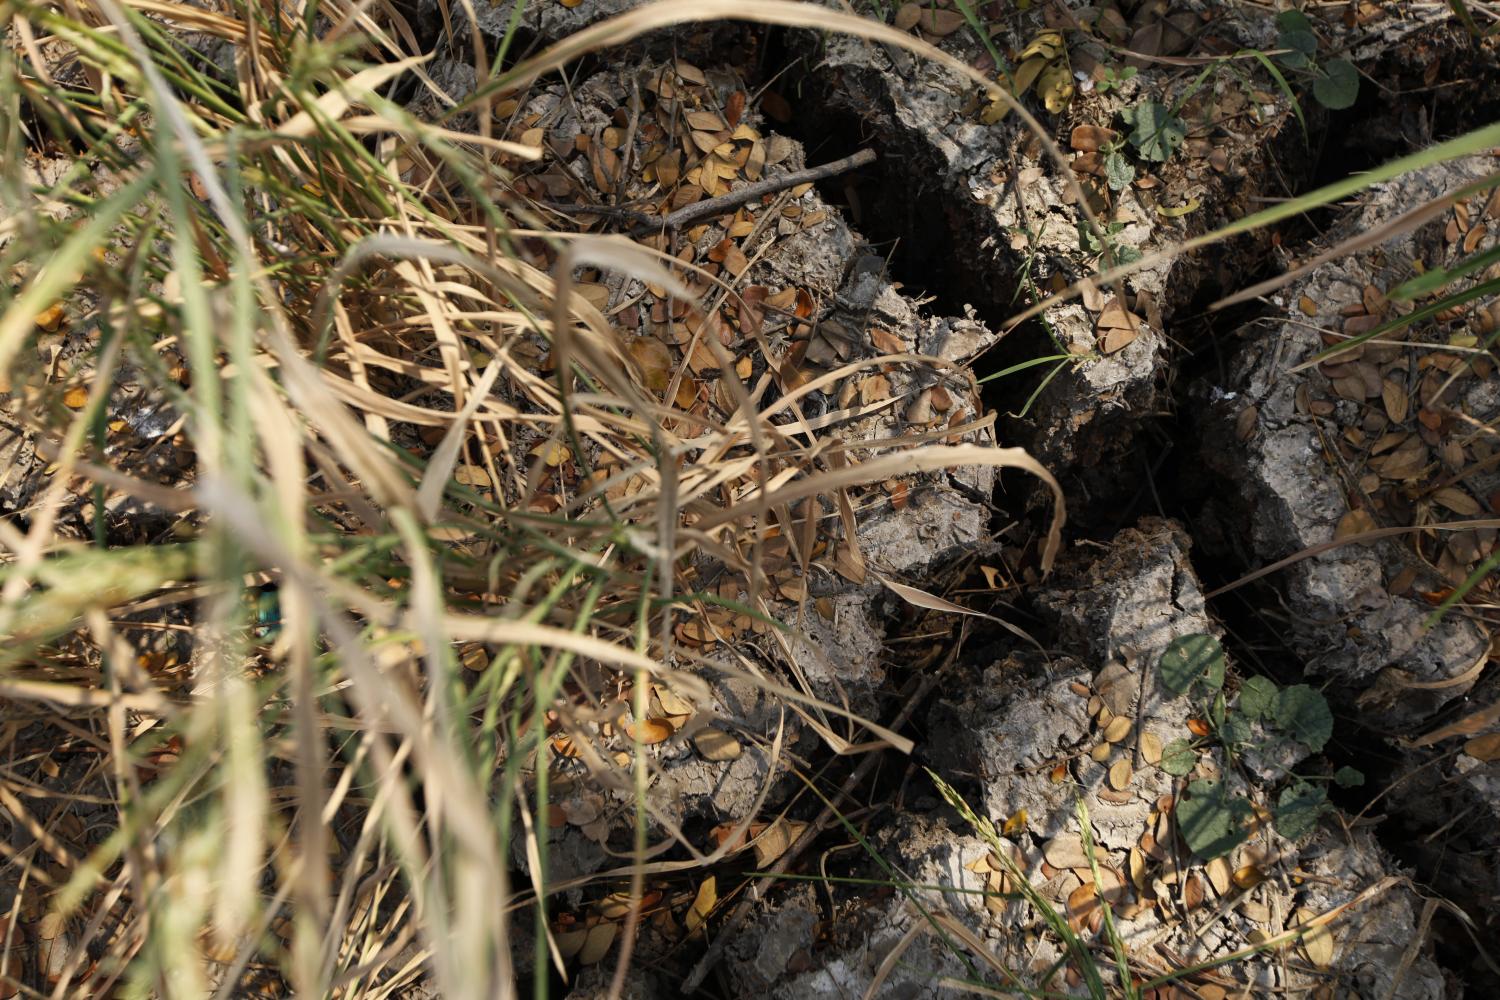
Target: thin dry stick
[
  {"x": 917, "y": 694},
  {"x": 690, "y": 214},
  {"x": 1359, "y": 539}
]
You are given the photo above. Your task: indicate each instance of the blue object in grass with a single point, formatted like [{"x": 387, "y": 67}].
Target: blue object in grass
[{"x": 266, "y": 601}]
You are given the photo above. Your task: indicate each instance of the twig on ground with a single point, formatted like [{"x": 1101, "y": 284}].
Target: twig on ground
[{"x": 689, "y": 214}]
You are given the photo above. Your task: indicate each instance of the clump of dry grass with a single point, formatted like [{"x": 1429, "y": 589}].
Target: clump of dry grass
[
  {"x": 333, "y": 335},
  {"x": 339, "y": 316}
]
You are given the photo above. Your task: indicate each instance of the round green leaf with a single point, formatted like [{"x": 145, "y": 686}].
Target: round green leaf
[
  {"x": 1349, "y": 777},
  {"x": 1211, "y": 820},
  {"x": 1293, "y": 20},
  {"x": 1338, "y": 86},
  {"x": 1236, "y": 730},
  {"x": 1155, "y": 131},
  {"x": 1190, "y": 659},
  {"x": 1298, "y": 809},
  {"x": 1118, "y": 171},
  {"x": 1178, "y": 758},
  {"x": 1303, "y": 712},
  {"x": 1257, "y": 697}
]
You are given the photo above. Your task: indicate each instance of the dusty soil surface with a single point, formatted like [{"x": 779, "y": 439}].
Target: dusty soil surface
[
  {"x": 1056, "y": 765},
  {"x": 1202, "y": 420}
]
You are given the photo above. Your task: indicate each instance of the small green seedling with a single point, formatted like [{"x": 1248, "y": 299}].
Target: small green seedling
[
  {"x": 1155, "y": 130},
  {"x": 1119, "y": 172},
  {"x": 1115, "y": 81},
  {"x": 1213, "y": 819},
  {"x": 1091, "y": 244},
  {"x": 1335, "y": 82}
]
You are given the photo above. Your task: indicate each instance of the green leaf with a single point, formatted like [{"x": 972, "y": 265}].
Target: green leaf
[
  {"x": 1190, "y": 659},
  {"x": 1298, "y": 809},
  {"x": 1179, "y": 758},
  {"x": 1338, "y": 86},
  {"x": 1349, "y": 777},
  {"x": 1212, "y": 821},
  {"x": 1303, "y": 712},
  {"x": 1257, "y": 697},
  {"x": 1293, "y": 20},
  {"x": 1118, "y": 171},
  {"x": 1301, "y": 46},
  {"x": 1235, "y": 730},
  {"x": 1155, "y": 131}
]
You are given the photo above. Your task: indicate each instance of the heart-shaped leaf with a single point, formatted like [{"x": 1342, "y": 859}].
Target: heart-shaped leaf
[
  {"x": 1211, "y": 820},
  {"x": 1303, "y": 712},
  {"x": 1338, "y": 86},
  {"x": 1298, "y": 809},
  {"x": 1257, "y": 697},
  {"x": 1192, "y": 658},
  {"x": 1154, "y": 130}
]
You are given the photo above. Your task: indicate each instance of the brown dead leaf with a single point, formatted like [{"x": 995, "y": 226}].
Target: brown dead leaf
[
  {"x": 1117, "y": 730},
  {"x": 1317, "y": 943},
  {"x": 1219, "y": 875},
  {"x": 1248, "y": 877},
  {"x": 655, "y": 361},
  {"x": 1355, "y": 522},
  {"x": 601, "y": 937},
  {"x": 1457, "y": 501},
  {"x": 1089, "y": 138},
  {"x": 51, "y": 318},
  {"x": 1485, "y": 748},
  {"x": 1151, "y": 748},
  {"x": 703, "y": 904},
  {"x": 774, "y": 841},
  {"x": 650, "y": 731},
  {"x": 1192, "y": 892},
  {"x": 1396, "y": 401}
]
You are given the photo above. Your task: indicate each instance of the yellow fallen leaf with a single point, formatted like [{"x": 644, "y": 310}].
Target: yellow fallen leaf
[
  {"x": 703, "y": 904},
  {"x": 75, "y": 397},
  {"x": 650, "y": 731},
  {"x": 1055, "y": 86},
  {"x": 51, "y": 318},
  {"x": 598, "y": 942},
  {"x": 1179, "y": 211},
  {"x": 552, "y": 453},
  {"x": 1015, "y": 824}
]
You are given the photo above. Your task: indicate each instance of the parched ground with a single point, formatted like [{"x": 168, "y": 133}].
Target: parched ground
[{"x": 1129, "y": 764}]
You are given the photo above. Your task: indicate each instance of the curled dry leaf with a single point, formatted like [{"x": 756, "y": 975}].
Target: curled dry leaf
[
  {"x": 1485, "y": 748},
  {"x": 1355, "y": 522},
  {"x": 1219, "y": 875},
  {"x": 1065, "y": 851},
  {"x": 597, "y": 943},
  {"x": 1244, "y": 424},
  {"x": 1248, "y": 877},
  {"x": 1151, "y": 748},
  {"x": 772, "y": 842},
  {"x": 1457, "y": 501},
  {"x": 1090, "y": 138},
  {"x": 717, "y": 745},
  {"x": 650, "y": 731},
  {"x": 703, "y": 903},
  {"x": 1317, "y": 943},
  {"x": 51, "y": 318}
]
